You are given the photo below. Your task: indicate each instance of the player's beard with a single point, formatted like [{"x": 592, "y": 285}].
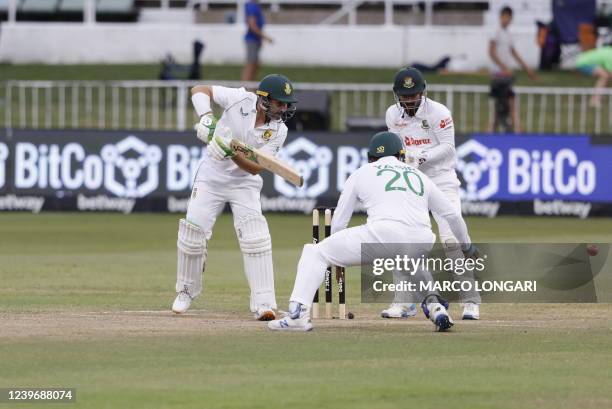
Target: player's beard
[
  {"x": 279, "y": 116},
  {"x": 411, "y": 108}
]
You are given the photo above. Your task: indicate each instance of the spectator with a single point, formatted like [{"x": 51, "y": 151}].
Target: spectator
[
  {"x": 596, "y": 63},
  {"x": 253, "y": 39},
  {"x": 502, "y": 51}
]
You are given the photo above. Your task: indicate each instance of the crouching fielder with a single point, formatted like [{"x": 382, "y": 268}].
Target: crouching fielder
[
  {"x": 226, "y": 177},
  {"x": 397, "y": 199}
]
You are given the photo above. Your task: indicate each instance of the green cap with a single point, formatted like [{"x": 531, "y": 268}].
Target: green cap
[
  {"x": 385, "y": 144},
  {"x": 409, "y": 81},
  {"x": 277, "y": 87}
]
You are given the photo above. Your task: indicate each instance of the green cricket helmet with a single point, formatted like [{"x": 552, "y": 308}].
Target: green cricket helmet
[
  {"x": 409, "y": 82},
  {"x": 385, "y": 144},
  {"x": 278, "y": 87}
]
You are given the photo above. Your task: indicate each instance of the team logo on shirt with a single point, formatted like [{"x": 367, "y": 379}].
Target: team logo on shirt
[
  {"x": 380, "y": 149},
  {"x": 446, "y": 122},
  {"x": 408, "y": 82},
  {"x": 287, "y": 88},
  {"x": 267, "y": 135},
  {"x": 425, "y": 124}
]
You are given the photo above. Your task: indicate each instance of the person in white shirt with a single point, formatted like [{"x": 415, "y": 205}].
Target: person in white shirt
[
  {"x": 397, "y": 198},
  {"x": 226, "y": 177},
  {"x": 502, "y": 53},
  {"x": 428, "y": 133}
]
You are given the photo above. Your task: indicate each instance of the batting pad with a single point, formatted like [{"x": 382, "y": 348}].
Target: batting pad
[
  {"x": 191, "y": 256},
  {"x": 256, "y": 247}
]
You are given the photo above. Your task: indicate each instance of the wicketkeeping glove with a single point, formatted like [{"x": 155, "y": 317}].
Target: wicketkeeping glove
[
  {"x": 472, "y": 252},
  {"x": 415, "y": 160},
  {"x": 205, "y": 128}
]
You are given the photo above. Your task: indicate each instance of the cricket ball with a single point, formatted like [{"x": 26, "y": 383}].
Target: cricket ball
[
  {"x": 592, "y": 250},
  {"x": 350, "y": 315}
]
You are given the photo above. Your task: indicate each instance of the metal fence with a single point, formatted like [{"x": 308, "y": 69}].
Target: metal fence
[{"x": 166, "y": 105}]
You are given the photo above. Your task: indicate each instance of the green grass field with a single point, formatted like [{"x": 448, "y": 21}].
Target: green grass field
[
  {"x": 296, "y": 73},
  {"x": 84, "y": 302}
]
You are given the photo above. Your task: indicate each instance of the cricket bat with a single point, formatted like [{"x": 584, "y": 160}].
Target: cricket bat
[{"x": 268, "y": 162}]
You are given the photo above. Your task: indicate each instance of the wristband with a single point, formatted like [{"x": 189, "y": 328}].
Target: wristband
[{"x": 201, "y": 103}]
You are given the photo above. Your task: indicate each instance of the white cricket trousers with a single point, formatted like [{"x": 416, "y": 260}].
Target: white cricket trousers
[{"x": 211, "y": 191}]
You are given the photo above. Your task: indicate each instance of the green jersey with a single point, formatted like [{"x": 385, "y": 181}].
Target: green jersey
[{"x": 600, "y": 57}]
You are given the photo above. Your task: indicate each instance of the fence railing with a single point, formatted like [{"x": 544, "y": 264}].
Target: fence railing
[{"x": 166, "y": 105}]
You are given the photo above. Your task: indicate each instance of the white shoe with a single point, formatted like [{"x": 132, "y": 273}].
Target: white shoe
[
  {"x": 439, "y": 316},
  {"x": 297, "y": 319},
  {"x": 399, "y": 310},
  {"x": 471, "y": 311},
  {"x": 265, "y": 313},
  {"x": 181, "y": 302}
]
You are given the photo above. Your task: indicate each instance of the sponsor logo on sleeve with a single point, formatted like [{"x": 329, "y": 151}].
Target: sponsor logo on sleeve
[{"x": 445, "y": 123}]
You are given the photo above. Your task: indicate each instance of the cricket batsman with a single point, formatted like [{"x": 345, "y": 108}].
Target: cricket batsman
[
  {"x": 397, "y": 198},
  {"x": 257, "y": 119},
  {"x": 426, "y": 129}
]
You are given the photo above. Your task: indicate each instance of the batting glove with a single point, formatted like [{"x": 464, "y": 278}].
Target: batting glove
[
  {"x": 219, "y": 146},
  {"x": 205, "y": 128}
]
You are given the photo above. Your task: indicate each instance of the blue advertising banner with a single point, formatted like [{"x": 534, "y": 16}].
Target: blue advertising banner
[
  {"x": 527, "y": 167},
  {"x": 129, "y": 171}
]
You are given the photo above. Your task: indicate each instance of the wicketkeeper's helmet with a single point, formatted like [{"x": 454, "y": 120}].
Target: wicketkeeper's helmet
[{"x": 409, "y": 81}]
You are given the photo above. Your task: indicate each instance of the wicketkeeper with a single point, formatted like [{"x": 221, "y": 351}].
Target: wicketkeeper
[
  {"x": 428, "y": 133},
  {"x": 226, "y": 177}
]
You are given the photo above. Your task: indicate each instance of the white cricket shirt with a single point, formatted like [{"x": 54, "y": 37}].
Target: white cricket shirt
[
  {"x": 430, "y": 133},
  {"x": 391, "y": 190}
]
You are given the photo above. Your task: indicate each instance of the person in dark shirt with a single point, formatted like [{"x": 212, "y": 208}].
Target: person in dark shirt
[{"x": 253, "y": 39}]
